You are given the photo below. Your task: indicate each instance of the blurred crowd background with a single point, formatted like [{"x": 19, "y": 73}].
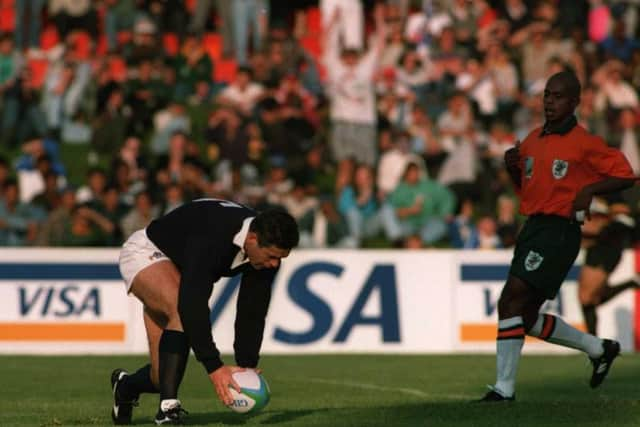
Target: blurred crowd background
[{"x": 374, "y": 123}]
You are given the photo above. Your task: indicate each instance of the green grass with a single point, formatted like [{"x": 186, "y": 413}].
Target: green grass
[{"x": 354, "y": 390}]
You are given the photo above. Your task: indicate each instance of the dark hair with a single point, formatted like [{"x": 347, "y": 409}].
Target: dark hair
[
  {"x": 275, "y": 227},
  {"x": 570, "y": 82}
]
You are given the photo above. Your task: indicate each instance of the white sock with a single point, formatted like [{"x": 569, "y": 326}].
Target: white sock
[
  {"x": 555, "y": 330},
  {"x": 168, "y": 404},
  {"x": 509, "y": 344}
]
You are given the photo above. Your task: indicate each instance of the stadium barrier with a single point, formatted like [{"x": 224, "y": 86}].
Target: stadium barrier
[{"x": 73, "y": 301}]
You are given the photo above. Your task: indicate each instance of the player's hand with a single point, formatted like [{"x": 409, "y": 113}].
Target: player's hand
[
  {"x": 512, "y": 156},
  {"x": 581, "y": 203},
  {"x": 222, "y": 379}
]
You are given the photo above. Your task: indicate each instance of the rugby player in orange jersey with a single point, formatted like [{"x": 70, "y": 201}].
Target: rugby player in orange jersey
[{"x": 557, "y": 170}]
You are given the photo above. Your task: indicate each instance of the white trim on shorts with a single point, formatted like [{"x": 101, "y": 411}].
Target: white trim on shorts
[{"x": 138, "y": 253}]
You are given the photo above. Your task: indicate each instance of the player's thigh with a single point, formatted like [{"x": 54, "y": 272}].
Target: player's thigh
[
  {"x": 590, "y": 283},
  {"x": 154, "y": 333},
  {"x": 157, "y": 286}
]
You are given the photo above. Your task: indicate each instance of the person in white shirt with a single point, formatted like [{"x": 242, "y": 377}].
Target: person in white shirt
[
  {"x": 243, "y": 93},
  {"x": 352, "y": 94}
]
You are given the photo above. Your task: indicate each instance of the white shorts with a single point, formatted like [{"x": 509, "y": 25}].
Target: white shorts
[{"x": 137, "y": 253}]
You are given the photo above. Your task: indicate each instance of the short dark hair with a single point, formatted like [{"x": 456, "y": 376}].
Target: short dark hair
[
  {"x": 570, "y": 82},
  {"x": 275, "y": 227}
]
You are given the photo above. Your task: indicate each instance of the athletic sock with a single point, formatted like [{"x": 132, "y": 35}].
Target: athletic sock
[
  {"x": 590, "y": 318},
  {"x": 509, "y": 345},
  {"x": 609, "y": 292},
  {"x": 136, "y": 383},
  {"x": 174, "y": 354},
  {"x": 555, "y": 330}
]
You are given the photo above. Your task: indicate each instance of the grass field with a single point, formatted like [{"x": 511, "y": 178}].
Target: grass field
[{"x": 354, "y": 390}]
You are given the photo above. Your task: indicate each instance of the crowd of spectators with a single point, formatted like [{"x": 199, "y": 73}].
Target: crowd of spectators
[{"x": 375, "y": 124}]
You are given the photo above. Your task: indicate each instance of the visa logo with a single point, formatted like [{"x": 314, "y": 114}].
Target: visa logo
[{"x": 66, "y": 301}]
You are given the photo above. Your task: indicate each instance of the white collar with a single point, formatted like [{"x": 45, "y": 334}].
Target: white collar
[{"x": 239, "y": 240}]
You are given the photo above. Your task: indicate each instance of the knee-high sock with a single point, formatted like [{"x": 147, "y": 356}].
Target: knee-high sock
[
  {"x": 136, "y": 383},
  {"x": 610, "y": 291},
  {"x": 174, "y": 353},
  {"x": 509, "y": 345},
  {"x": 590, "y": 318},
  {"x": 555, "y": 330}
]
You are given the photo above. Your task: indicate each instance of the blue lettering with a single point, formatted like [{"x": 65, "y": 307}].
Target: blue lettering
[
  {"x": 91, "y": 302},
  {"x": 316, "y": 307},
  {"x": 489, "y": 305},
  {"x": 25, "y": 304},
  {"x": 47, "y": 301},
  {"x": 64, "y": 298},
  {"x": 382, "y": 278}
]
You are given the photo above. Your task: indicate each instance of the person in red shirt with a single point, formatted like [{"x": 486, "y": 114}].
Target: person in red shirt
[{"x": 557, "y": 170}]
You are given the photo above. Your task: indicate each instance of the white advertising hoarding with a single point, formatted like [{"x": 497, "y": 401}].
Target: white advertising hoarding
[{"x": 73, "y": 301}]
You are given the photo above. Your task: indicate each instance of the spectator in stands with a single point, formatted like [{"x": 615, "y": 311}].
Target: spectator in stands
[
  {"x": 505, "y": 77},
  {"x": 192, "y": 65},
  {"x": 27, "y": 31},
  {"x": 458, "y": 134},
  {"x": 22, "y": 117},
  {"x": 143, "y": 97},
  {"x": 537, "y": 50},
  {"x": 479, "y": 86},
  {"x": 52, "y": 231},
  {"x": 120, "y": 16},
  {"x": 425, "y": 142},
  {"x": 87, "y": 227},
  {"x": 11, "y": 63},
  {"x": 325, "y": 227},
  {"x": 71, "y": 15},
  {"x": 350, "y": 77},
  {"x": 508, "y": 225},
  {"x": 462, "y": 229},
  {"x": 618, "y": 45},
  {"x": 393, "y": 164},
  {"x": 167, "y": 122},
  {"x": 131, "y": 154},
  {"x": 145, "y": 44},
  {"x": 627, "y": 137},
  {"x": 112, "y": 208},
  {"x": 418, "y": 206},
  {"x": 49, "y": 198},
  {"x": 126, "y": 186},
  {"x": 488, "y": 237},
  {"x": 91, "y": 193},
  {"x": 297, "y": 202},
  {"x": 243, "y": 93},
  {"x": 18, "y": 226},
  {"x": 194, "y": 181},
  {"x": 358, "y": 203},
  {"x": 140, "y": 216},
  {"x": 173, "y": 198},
  {"x": 110, "y": 125},
  {"x": 318, "y": 175},
  {"x": 614, "y": 93},
  {"x": 249, "y": 15}
]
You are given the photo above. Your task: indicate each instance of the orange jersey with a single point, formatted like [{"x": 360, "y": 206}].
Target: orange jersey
[{"x": 556, "y": 167}]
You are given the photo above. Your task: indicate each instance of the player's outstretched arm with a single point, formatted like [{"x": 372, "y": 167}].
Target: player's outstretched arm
[
  {"x": 607, "y": 185},
  {"x": 251, "y": 311}
]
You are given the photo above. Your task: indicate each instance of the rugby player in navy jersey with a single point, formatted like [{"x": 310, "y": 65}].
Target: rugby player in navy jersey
[{"x": 171, "y": 267}]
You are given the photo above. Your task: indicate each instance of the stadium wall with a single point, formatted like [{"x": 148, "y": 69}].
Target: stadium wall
[{"x": 72, "y": 301}]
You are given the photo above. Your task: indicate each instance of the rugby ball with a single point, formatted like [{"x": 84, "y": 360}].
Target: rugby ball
[{"x": 254, "y": 394}]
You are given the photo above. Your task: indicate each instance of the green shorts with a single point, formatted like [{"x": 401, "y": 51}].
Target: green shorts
[{"x": 546, "y": 249}]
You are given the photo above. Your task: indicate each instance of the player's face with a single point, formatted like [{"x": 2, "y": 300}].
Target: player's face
[
  {"x": 263, "y": 257},
  {"x": 558, "y": 103}
]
